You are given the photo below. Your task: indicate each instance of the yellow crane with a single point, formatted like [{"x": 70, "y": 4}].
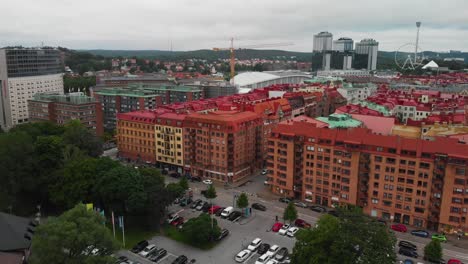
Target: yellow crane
[{"x": 232, "y": 60}]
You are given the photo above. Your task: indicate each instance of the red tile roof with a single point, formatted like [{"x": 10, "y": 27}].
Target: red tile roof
[{"x": 378, "y": 124}]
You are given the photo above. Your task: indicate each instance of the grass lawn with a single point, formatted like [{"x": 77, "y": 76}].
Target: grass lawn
[
  {"x": 178, "y": 236},
  {"x": 133, "y": 235}
]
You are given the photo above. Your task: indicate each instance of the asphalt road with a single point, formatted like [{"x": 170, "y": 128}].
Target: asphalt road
[{"x": 258, "y": 225}]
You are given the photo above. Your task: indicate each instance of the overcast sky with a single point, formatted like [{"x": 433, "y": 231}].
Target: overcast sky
[{"x": 203, "y": 24}]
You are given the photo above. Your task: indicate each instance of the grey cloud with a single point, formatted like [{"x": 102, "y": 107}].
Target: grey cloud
[{"x": 192, "y": 24}]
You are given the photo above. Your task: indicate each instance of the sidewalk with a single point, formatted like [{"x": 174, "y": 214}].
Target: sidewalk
[{"x": 462, "y": 243}]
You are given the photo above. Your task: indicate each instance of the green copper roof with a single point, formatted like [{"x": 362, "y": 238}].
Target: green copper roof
[
  {"x": 340, "y": 121},
  {"x": 382, "y": 109},
  {"x": 140, "y": 90}
]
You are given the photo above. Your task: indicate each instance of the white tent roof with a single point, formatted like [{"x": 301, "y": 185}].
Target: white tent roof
[
  {"x": 248, "y": 78},
  {"x": 431, "y": 64}
]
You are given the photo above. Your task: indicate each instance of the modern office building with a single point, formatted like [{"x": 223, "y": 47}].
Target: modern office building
[
  {"x": 23, "y": 73},
  {"x": 223, "y": 146},
  {"x": 411, "y": 181},
  {"x": 61, "y": 108},
  {"x": 323, "y": 42},
  {"x": 343, "y": 45},
  {"x": 365, "y": 55}
]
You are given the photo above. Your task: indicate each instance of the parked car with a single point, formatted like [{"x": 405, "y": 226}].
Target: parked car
[
  {"x": 282, "y": 254},
  {"x": 196, "y": 178},
  {"x": 301, "y": 223},
  {"x": 213, "y": 209},
  {"x": 180, "y": 260},
  {"x": 408, "y": 261},
  {"x": 227, "y": 211},
  {"x": 263, "y": 248},
  {"x": 140, "y": 246},
  {"x": 186, "y": 201},
  {"x": 300, "y": 204},
  {"x": 277, "y": 226},
  {"x": 177, "y": 201},
  {"x": 408, "y": 252},
  {"x": 292, "y": 231},
  {"x": 206, "y": 207},
  {"x": 254, "y": 244},
  {"x": 272, "y": 261},
  {"x": 234, "y": 216},
  {"x": 333, "y": 213},
  {"x": 243, "y": 255},
  {"x": 272, "y": 251},
  {"x": 201, "y": 205},
  {"x": 440, "y": 237},
  {"x": 382, "y": 221},
  {"x": 224, "y": 233},
  {"x": 219, "y": 211},
  {"x": 259, "y": 207},
  {"x": 407, "y": 244},
  {"x": 454, "y": 261},
  {"x": 178, "y": 221},
  {"x": 420, "y": 233},
  {"x": 158, "y": 255},
  {"x": 195, "y": 203},
  {"x": 318, "y": 208},
  {"x": 263, "y": 259},
  {"x": 264, "y": 172},
  {"x": 285, "y": 200},
  {"x": 148, "y": 249},
  {"x": 208, "y": 182},
  {"x": 171, "y": 217},
  {"x": 399, "y": 228},
  {"x": 284, "y": 229}
]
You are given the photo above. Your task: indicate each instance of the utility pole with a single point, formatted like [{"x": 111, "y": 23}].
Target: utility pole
[{"x": 418, "y": 25}]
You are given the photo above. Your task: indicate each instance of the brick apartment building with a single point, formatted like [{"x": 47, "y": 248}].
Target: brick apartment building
[
  {"x": 411, "y": 181},
  {"x": 223, "y": 146},
  {"x": 61, "y": 108}
]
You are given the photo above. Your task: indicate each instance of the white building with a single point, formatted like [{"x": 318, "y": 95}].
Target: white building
[
  {"x": 23, "y": 73},
  {"x": 323, "y": 41},
  {"x": 253, "y": 80},
  {"x": 370, "y": 49},
  {"x": 343, "y": 44},
  {"x": 343, "y": 73},
  {"x": 356, "y": 93}
]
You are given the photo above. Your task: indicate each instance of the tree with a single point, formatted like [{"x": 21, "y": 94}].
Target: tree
[
  {"x": 290, "y": 213},
  {"x": 351, "y": 238},
  {"x": 175, "y": 190},
  {"x": 210, "y": 192},
  {"x": 242, "y": 201},
  {"x": 199, "y": 230},
  {"x": 78, "y": 135},
  {"x": 433, "y": 251},
  {"x": 184, "y": 183},
  {"x": 77, "y": 236}
]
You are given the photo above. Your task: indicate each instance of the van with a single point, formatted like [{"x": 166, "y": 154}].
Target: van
[{"x": 227, "y": 211}]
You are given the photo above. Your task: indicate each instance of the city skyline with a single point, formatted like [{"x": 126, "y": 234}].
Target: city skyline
[{"x": 186, "y": 25}]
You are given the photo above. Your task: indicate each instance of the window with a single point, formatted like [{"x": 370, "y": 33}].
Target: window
[
  {"x": 459, "y": 181},
  {"x": 375, "y": 201},
  {"x": 460, "y": 171}
]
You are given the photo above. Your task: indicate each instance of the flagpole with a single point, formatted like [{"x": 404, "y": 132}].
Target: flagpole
[
  {"x": 113, "y": 223},
  {"x": 123, "y": 231}
]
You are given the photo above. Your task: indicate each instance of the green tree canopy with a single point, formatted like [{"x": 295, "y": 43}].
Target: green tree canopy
[
  {"x": 433, "y": 251},
  {"x": 71, "y": 238},
  {"x": 210, "y": 192},
  {"x": 242, "y": 201},
  {"x": 290, "y": 213},
  {"x": 198, "y": 230},
  {"x": 78, "y": 135},
  {"x": 351, "y": 238},
  {"x": 184, "y": 183}
]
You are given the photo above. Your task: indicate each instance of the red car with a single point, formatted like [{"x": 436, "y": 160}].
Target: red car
[
  {"x": 277, "y": 226},
  {"x": 454, "y": 261},
  {"x": 213, "y": 209},
  {"x": 399, "y": 228},
  {"x": 301, "y": 223},
  {"x": 178, "y": 221}
]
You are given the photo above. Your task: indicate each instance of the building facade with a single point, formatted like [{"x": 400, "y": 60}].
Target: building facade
[
  {"x": 343, "y": 44},
  {"x": 23, "y": 73},
  {"x": 61, "y": 108},
  {"x": 223, "y": 146},
  {"x": 365, "y": 56},
  {"x": 411, "y": 181},
  {"x": 323, "y": 42}
]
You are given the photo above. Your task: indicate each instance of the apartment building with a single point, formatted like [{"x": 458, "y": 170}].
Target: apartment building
[
  {"x": 223, "y": 146},
  {"x": 170, "y": 141},
  {"x": 23, "y": 73},
  {"x": 61, "y": 108},
  {"x": 411, "y": 181}
]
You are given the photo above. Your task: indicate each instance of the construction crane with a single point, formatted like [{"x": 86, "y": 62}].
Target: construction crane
[{"x": 232, "y": 61}]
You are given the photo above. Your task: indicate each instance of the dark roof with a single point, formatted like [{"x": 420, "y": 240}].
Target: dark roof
[{"x": 12, "y": 230}]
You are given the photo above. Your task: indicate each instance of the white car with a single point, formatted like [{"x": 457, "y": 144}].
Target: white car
[
  {"x": 243, "y": 255},
  {"x": 292, "y": 231},
  {"x": 264, "y": 172},
  {"x": 208, "y": 182},
  {"x": 272, "y": 261},
  {"x": 263, "y": 259},
  {"x": 272, "y": 251},
  {"x": 254, "y": 244},
  {"x": 150, "y": 248},
  {"x": 284, "y": 229},
  {"x": 171, "y": 217}
]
